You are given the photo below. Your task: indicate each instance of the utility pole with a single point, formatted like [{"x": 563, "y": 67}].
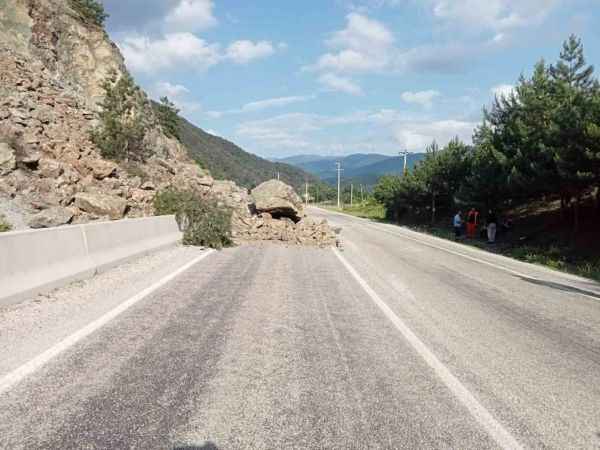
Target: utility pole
[
  {"x": 362, "y": 198},
  {"x": 405, "y": 154},
  {"x": 277, "y": 175},
  {"x": 339, "y": 174},
  {"x": 351, "y": 194}
]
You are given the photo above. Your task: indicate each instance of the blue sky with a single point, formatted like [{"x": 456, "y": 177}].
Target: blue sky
[{"x": 336, "y": 77}]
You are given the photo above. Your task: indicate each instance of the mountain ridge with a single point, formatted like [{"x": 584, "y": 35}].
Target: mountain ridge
[{"x": 360, "y": 168}]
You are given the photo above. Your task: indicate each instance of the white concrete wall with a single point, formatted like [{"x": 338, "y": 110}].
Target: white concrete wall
[{"x": 35, "y": 261}]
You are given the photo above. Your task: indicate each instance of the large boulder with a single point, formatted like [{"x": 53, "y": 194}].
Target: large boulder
[
  {"x": 51, "y": 217},
  {"x": 8, "y": 160},
  {"x": 278, "y": 199},
  {"x": 101, "y": 205}
]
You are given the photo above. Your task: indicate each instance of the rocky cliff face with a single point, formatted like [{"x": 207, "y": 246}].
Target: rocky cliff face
[{"x": 52, "y": 65}]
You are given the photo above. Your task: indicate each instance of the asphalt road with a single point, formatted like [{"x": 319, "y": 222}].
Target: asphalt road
[{"x": 398, "y": 341}]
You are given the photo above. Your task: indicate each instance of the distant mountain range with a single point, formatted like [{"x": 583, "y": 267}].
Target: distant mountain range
[{"x": 360, "y": 168}]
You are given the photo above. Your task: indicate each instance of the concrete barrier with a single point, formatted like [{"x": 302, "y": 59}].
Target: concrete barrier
[{"x": 36, "y": 261}]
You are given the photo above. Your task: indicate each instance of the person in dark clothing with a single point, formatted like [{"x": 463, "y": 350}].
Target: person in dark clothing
[{"x": 492, "y": 227}]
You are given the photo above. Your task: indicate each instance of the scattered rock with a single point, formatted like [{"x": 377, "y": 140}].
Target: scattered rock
[
  {"x": 101, "y": 205},
  {"x": 148, "y": 186},
  {"x": 52, "y": 217},
  {"x": 50, "y": 168},
  {"x": 101, "y": 168},
  {"x": 278, "y": 199},
  {"x": 8, "y": 160}
]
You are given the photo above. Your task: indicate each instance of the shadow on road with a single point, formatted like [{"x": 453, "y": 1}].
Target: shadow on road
[
  {"x": 207, "y": 446},
  {"x": 561, "y": 287}
]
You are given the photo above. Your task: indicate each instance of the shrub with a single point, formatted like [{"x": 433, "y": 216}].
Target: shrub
[
  {"x": 91, "y": 10},
  {"x": 123, "y": 121},
  {"x": 168, "y": 118},
  {"x": 203, "y": 222},
  {"x": 4, "y": 225}
]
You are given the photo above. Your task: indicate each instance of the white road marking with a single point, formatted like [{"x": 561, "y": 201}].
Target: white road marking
[
  {"x": 502, "y": 436},
  {"x": 473, "y": 258},
  {"x": 452, "y": 252},
  {"x": 17, "y": 375}
]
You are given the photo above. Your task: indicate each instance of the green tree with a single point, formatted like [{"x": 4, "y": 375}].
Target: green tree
[
  {"x": 168, "y": 118},
  {"x": 123, "y": 120},
  {"x": 91, "y": 10},
  {"x": 574, "y": 89}
]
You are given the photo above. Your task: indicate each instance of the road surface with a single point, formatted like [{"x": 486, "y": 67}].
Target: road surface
[{"x": 398, "y": 341}]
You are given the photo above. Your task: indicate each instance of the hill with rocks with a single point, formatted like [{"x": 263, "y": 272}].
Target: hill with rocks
[{"x": 53, "y": 65}]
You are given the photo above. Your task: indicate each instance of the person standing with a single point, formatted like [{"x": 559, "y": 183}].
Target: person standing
[
  {"x": 457, "y": 223},
  {"x": 492, "y": 227},
  {"x": 472, "y": 222}
]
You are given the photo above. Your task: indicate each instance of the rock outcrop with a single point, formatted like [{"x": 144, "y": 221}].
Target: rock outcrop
[
  {"x": 277, "y": 199},
  {"x": 288, "y": 224}
]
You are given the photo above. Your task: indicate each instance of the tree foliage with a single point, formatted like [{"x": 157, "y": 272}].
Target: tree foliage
[
  {"x": 203, "y": 221},
  {"x": 124, "y": 120},
  {"x": 542, "y": 140},
  {"x": 91, "y": 10},
  {"x": 168, "y": 118}
]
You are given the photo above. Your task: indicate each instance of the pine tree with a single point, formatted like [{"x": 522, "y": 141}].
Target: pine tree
[
  {"x": 123, "y": 120},
  {"x": 574, "y": 89},
  {"x": 168, "y": 118}
]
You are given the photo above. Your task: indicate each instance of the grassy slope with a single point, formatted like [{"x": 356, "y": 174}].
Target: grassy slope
[{"x": 225, "y": 160}]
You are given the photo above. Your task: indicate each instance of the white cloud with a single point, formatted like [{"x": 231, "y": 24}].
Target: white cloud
[
  {"x": 365, "y": 45},
  {"x": 341, "y": 84},
  {"x": 422, "y": 98},
  {"x": 497, "y": 15},
  {"x": 164, "y": 88},
  {"x": 176, "y": 50},
  {"x": 242, "y": 52},
  {"x": 261, "y": 105},
  {"x": 380, "y": 130},
  {"x": 191, "y": 15},
  {"x": 416, "y": 136},
  {"x": 177, "y": 93},
  {"x": 275, "y": 102},
  {"x": 185, "y": 50},
  {"x": 503, "y": 90}
]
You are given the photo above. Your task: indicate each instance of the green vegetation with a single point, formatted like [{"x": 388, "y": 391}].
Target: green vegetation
[
  {"x": 4, "y": 225},
  {"x": 168, "y": 118},
  {"x": 369, "y": 209},
  {"x": 542, "y": 141},
  {"x": 538, "y": 146},
  {"x": 227, "y": 161},
  {"x": 91, "y": 10},
  {"x": 123, "y": 121},
  {"x": 202, "y": 220}
]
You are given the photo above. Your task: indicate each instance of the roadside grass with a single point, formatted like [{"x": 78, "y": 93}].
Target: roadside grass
[
  {"x": 554, "y": 251},
  {"x": 557, "y": 257},
  {"x": 366, "y": 210}
]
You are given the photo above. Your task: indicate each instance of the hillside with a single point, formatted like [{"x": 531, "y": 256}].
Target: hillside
[
  {"x": 358, "y": 168},
  {"x": 225, "y": 160}
]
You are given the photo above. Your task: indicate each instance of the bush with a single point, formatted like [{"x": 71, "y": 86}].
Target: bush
[
  {"x": 91, "y": 10},
  {"x": 4, "y": 225},
  {"x": 123, "y": 121},
  {"x": 203, "y": 222}
]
